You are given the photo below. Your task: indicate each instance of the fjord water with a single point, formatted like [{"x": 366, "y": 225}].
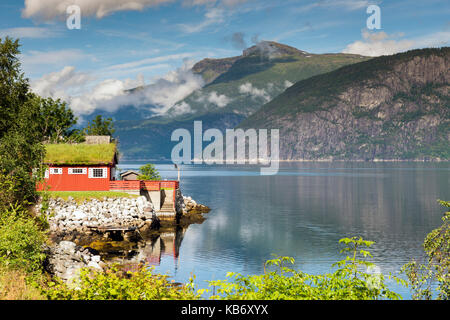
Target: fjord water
[{"x": 302, "y": 212}]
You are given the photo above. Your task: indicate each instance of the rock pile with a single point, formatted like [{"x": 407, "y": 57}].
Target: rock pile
[
  {"x": 66, "y": 259},
  {"x": 66, "y": 216},
  {"x": 191, "y": 207}
]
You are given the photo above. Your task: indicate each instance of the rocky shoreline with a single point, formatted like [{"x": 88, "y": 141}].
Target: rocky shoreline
[
  {"x": 66, "y": 258},
  {"x": 72, "y": 223},
  {"x": 68, "y": 216}
]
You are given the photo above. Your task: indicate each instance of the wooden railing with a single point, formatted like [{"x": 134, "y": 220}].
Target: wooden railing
[
  {"x": 125, "y": 185},
  {"x": 143, "y": 185}
]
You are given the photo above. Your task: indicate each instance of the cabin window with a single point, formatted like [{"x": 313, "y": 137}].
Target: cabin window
[
  {"x": 55, "y": 170},
  {"x": 77, "y": 170},
  {"x": 98, "y": 172}
]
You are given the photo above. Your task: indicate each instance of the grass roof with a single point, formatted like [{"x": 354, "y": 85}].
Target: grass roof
[{"x": 78, "y": 154}]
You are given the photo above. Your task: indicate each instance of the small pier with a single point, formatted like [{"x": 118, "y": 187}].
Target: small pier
[{"x": 118, "y": 232}]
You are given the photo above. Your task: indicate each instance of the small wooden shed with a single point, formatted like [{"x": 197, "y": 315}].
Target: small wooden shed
[{"x": 129, "y": 175}]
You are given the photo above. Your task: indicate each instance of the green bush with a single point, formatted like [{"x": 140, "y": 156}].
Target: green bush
[
  {"x": 434, "y": 275},
  {"x": 21, "y": 243},
  {"x": 348, "y": 282},
  {"x": 115, "y": 284}
]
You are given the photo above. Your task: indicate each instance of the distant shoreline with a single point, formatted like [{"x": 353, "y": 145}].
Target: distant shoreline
[{"x": 308, "y": 160}]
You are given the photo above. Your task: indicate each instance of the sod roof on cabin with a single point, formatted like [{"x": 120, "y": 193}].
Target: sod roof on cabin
[{"x": 80, "y": 154}]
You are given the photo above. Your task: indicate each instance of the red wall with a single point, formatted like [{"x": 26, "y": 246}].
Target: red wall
[{"x": 77, "y": 182}]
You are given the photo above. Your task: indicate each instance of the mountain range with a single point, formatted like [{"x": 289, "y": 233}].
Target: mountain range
[
  {"x": 234, "y": 89},
  {"x": 326, "y": 106},
  {"x": 391, "y": 107}
]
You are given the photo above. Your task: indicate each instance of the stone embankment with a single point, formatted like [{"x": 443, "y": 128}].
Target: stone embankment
[
  {"x": 68, "y": 216},
  {"x": 69, "y": 219},
  {"x": 65, "y": 259}
]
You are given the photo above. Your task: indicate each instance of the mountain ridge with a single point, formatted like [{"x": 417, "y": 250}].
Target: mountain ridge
[
  {"x": 390, "y": 107},
  {"x": 237, "y": 87}
]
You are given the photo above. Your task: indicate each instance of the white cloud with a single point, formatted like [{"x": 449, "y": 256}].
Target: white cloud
[
  {"x": 84, "y": 95},
  {"x": 219, "y": 100},
  {"x": 147, "y": 61},
  {"x": 57, "y": 84},
  {"x": 348, "y": 5},
  {"x": 248, "y": 88},
  {"x": 288, "y": 84},
  {"x": 173, "y": 87},
  {"x": 29, "y": 32},
  {"x": 380, "y": 43},
  {"x": 51, "y": 9},
  {"x": 226, "y": 3},
  {"x": 212, "y": 16},
  {"x": 81, "y": 93},
  {"x": 180, "y": 108},
  {"x": 38, "y": 61},
  {"x": 213, "y": 97}
]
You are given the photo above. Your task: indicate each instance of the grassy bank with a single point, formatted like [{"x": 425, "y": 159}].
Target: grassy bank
[
  {"x": 80, "y": 196},
  {"x": 17, "y": 285}
]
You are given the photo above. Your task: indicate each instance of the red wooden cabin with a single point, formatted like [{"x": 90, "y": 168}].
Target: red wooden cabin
[
  {"x": 91, "y": 167},
  {"x": 79, "y": 167}
]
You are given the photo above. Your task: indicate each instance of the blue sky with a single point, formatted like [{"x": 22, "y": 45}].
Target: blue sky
[{"x": 125, "y": 43}]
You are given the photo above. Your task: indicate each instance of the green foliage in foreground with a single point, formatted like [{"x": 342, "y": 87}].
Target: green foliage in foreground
[
  {"x": 21, "y": 235},
  {"x": 115, "y": 284},
  {"x": 436, "y": 270},
  {"x": 348, "y": 282},
  {"x": 21, "y": 241}
]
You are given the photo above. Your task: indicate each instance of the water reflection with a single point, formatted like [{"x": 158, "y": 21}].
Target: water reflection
[
  {"x": 302, "y": 212},
  {"x": 148, "y": 249}
]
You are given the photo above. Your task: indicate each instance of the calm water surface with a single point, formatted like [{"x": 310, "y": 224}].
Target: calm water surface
[{"x": 302, "y": 212}]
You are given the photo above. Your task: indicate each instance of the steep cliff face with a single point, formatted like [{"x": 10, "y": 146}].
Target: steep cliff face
[{"x": 391, "y": 107}]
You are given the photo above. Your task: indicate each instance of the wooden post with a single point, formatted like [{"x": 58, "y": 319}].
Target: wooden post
[{"x": 176, "y": 167}]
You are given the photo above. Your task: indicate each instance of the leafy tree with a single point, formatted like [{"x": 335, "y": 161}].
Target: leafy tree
[
  {"x": 76, "y": 136},
  {"x": 20, "y": 134},
  {"x": 56, "y": 119},
  {"x": 100, "y": 127},
  {"x": 149, "y": 172},
  {"x": 434, "y": 275}
]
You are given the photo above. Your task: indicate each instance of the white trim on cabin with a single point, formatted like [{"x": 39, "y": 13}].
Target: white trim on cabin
[
  {"x": 98, "y": 173},
  {"x": 56, "y": 170},
  {"x": 77, "y": 170}
]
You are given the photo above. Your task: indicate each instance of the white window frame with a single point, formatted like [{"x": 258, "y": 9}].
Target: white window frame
[
  {"x": 104, "y": 175},
  {"x": 84, "y": 171},
  {"x": 46, "y": 174},
  {"x": 56, "y": 170}
]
